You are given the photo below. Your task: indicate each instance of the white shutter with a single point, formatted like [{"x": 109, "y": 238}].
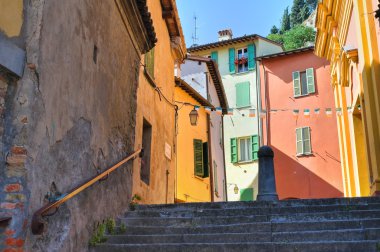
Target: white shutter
[
  {"x": 310, "y": 80},
  {"x": 296, "y": 84},
  {"x": 299, "y": 141},
  {"x": 306, "y": 140}
]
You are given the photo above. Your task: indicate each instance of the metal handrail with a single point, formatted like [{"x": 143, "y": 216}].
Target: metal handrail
[{"x": 37, "y": 223}]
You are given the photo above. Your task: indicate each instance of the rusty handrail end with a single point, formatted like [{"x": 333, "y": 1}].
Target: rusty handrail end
[{"x": 38, "y": 224}]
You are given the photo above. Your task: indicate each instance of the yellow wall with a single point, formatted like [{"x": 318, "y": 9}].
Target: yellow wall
[
  {"x": 342, "y": 23},
  {"x": 160, "y": 114},
  {"x": 189, "y": 187},
  {"x": 11, "y": 17}
]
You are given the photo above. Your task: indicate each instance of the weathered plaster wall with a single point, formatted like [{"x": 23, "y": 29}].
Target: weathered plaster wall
[
  {"x": 190, "y": 188},
  {"x": 160, "y": 114},
  {"x": 313, "y": 176},
  {"x": 73, "y": 116}
]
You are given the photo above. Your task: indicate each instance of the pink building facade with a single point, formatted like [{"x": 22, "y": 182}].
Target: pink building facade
[{"x": 295, "y": 93}]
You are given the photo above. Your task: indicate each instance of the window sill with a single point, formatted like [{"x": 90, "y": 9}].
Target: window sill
[
  {"x": 300, "y": 96},
  {"x": 245, "y": 162},
  {"x": 304, "y": 155},
  {"x": 244, "y": 107},
  {"x": 199, "y": 178},
  {"x": 242, "y": 73}
]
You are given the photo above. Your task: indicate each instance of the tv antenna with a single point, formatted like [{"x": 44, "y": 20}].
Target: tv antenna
[{"x": 194, "y": 37}]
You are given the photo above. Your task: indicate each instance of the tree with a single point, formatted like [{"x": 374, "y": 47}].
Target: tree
[
  {"x": 276, "y": 37},
  {"x": 312, "y": 4},
  {"x": 274, "y": 30},
  {"x": 299, "y": 13},
  {"x": 299, "y": 36},
  {"x": 285, "y": 21}
]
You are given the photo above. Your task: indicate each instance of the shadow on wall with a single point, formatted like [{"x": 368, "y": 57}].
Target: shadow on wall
[{"x": 293, "y": 180}]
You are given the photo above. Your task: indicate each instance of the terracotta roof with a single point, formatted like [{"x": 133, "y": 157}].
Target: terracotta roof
[
  {"x": 148, "y": 22},
  {"x": 305, "y": 49},
  {"x": 192, "y": 92},
  {"x": 244, "y": 38},
  {"x": 215, "y": 75}
]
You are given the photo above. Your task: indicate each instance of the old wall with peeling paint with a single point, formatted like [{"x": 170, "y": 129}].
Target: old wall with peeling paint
[{"x": 70, "y": 116}]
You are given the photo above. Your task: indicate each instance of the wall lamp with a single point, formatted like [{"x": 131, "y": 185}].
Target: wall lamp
[{"x": 194, "y": 117}]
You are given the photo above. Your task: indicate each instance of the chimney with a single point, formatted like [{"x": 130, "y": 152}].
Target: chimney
[{"x": 225, "y": 35}]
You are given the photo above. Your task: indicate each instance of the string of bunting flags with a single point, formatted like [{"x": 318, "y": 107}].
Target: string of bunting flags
[{"x": 296, "y": 112}]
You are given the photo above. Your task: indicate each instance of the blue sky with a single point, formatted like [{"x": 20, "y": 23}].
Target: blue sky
[{"x": 242, "y": 16}]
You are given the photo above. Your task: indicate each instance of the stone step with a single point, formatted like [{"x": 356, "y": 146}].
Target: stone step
[
  {"x": 346, "y": 246},
  {"x": 327, "y": 214},
  {"x": 303, "y": 236},
  {"x": 252, "y": 204},
  {"x": 188, "y": 221},
  {"x": 258, "y": 226},
  {"x": 225, "y": 220}
]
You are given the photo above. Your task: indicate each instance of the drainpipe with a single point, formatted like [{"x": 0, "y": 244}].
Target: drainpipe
[
  {"x": 224, "y": 162},
  {"x": 267, "y": 106},
  {"x": 210, "y": 161},
  {"x": 258, "y": 104}
]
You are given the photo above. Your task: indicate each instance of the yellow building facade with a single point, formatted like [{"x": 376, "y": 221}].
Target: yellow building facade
[
  {"x": 192, "y": 172},
  {"x": 347, "y": 35}
]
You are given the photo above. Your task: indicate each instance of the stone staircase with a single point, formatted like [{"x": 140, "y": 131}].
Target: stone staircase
[{"x": 350, "y": 224}]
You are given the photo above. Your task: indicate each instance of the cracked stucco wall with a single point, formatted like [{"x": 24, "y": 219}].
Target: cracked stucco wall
[{"x": 72, "y": 117}]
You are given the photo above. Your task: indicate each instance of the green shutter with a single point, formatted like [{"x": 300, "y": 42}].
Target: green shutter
[
  {"x": 206, "y": 167},
  {"x": 306, "y": 140},
  {"x": 296, "y": 84},
  {"x": 251, "y": 57},
  {"x": 231, "y": 54},
  {"x": 246, "y": 194},
  {"x": 299, "y": 141},
  {"x": 310, "y": 80},
  {"x": 198, "y": 158},
  {"x": 243, "y": 94},
  {"x": 234, "y": 153},
  {"x": 255, "y": 147},
  {"x": 214, "y": 56},
  {"x": 149, "y": 62}
]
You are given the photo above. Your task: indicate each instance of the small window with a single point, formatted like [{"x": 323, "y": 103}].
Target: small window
[
  {"x": 149, "y": 63},
  {"x": 242, "y": 60},
  {"x": 200, "y": 158},
  {"x": 303, "y": 82},
  {"x": 146, "y": 144},
  {"x": 216, "y": 179},
  {"x": 245, "y": 149},
  {"x": 303, "y": 143}
]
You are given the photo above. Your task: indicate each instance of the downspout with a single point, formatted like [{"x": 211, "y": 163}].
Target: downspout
[
  {"x": 210, "y": 161},
  {"x": 267, "y": 108},
  {"x": 258, "y": 104},
  {"x": 224, "y": 162}
]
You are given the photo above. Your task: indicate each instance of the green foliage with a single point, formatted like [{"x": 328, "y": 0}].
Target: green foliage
[
  {"x": 122, "y": 228},
  {"x": 274, "y": 30},
  {"x": 285, "y": 21},
  {"x": 276, "y": 37},
  {"x": 298, "y": 37},
  {"x": 299, "y": 13},
  {"x": 98, "y": 235},
  {"x": 110, "y": 225},
  {"x": 134, "y": 201},
  {"x": 312, "y": 4}
]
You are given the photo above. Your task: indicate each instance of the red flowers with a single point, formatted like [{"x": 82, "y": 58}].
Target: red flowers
[{"x": 243, "y": 60}]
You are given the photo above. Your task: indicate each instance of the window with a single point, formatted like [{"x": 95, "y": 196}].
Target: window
[
  {"x": 243, "y": 96},
  {"x": 146, "y": 144},
  {"x": 216, "y": 179},
  {"x": 149, "y": 63},
  {"x": 303, "y": 143},
  {"x": 200, "y": 158},
  {"x": 244, "y": 149},
  {"x": 242, "y": 57},
  {"x": 303, "y": 82}
]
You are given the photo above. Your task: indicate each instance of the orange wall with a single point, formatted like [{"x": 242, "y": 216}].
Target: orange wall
[{"x": 318, "y": 175}]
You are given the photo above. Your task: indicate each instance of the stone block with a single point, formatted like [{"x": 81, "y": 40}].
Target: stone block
[
  {"x": 8, "y": 205},
  {"x": 13, "y": 188},
  {"x": 9, "y": 232},
  {"x": 15, "y": 197},
  {"x": 14, "y": 242},
  {"x": 18, "y": 150},
  {"x": 15, "y": 171}
]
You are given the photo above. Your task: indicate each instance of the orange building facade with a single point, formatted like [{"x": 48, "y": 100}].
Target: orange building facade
[{"x": 303, "y": 136}]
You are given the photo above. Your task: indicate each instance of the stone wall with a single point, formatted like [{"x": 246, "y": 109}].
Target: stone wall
[{"x": 69, "y": 117}]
